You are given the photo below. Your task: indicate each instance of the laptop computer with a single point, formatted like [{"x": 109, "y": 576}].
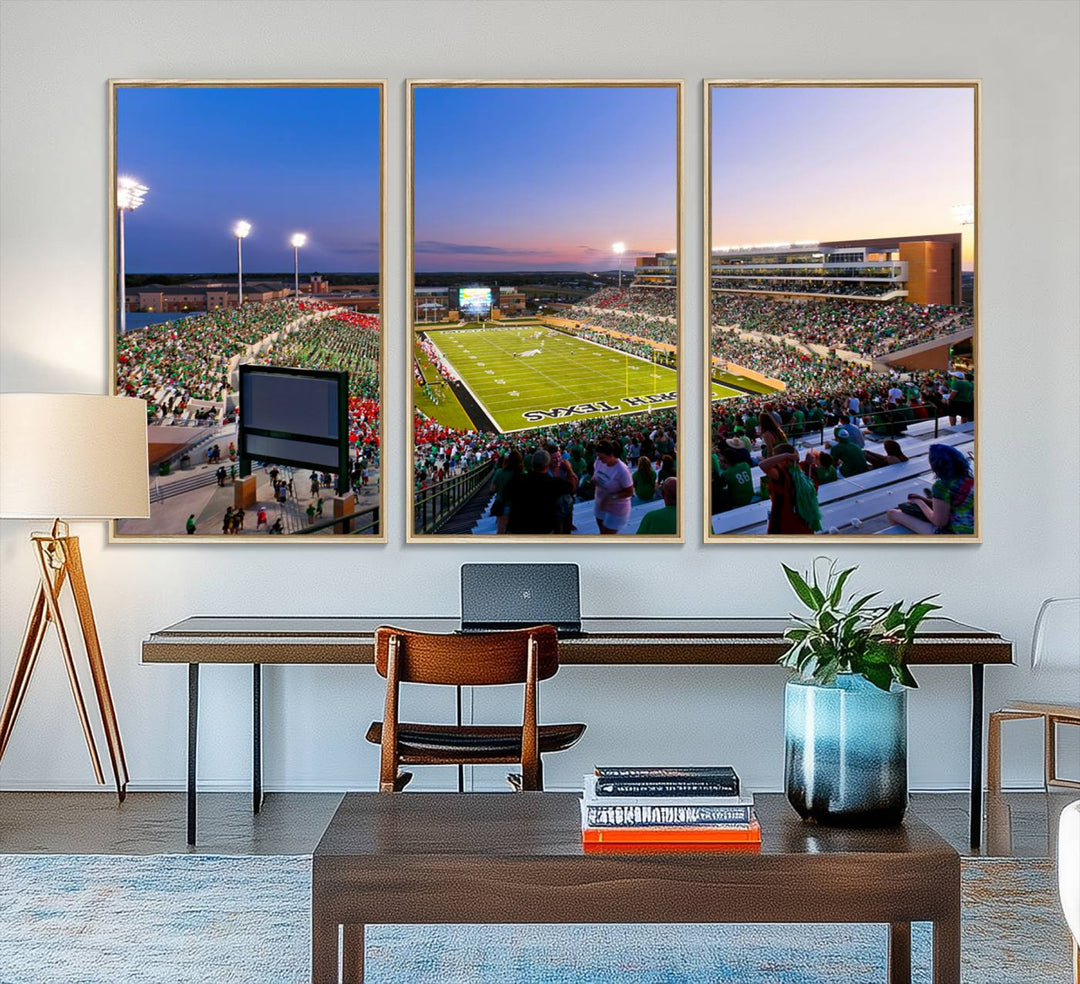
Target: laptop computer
[{"x": 496, "y": 597}]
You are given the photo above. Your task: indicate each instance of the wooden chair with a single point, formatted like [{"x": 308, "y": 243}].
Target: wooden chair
[
  {"x": 485, "y": 659},
  {"x": 1057, "y": 618}
]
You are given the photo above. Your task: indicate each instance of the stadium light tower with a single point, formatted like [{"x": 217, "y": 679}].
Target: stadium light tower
[
  {"x": 129, "y": 196},
  {"x": 618, "y": 249},
  {"x": 240, "y": 230},
  {"x": 964, "y": 214},
  {"x": 296, "y": 242}
]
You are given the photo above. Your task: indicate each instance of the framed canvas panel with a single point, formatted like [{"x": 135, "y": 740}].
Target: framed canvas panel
[
  {"x": 544, "y": 236},
  {"x": 246, "y": 253},
  {"x": 841, "y": 291}
]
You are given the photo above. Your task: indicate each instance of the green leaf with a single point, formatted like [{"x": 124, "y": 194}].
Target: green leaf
[
  {"x": 880, "y": 676},
  {"x": 800, "y": 587},
  {"x": 863, "y": 601},
  {"x": 903, "y": 675},
  {"x": 838, "y": 591},
  {"x": 893, "y": 618}
]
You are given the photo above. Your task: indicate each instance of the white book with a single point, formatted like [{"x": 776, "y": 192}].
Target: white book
[{"x": 591, "y": 799}]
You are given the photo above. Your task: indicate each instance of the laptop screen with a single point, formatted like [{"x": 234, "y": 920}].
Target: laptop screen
[{"x": 520, "y": 595}]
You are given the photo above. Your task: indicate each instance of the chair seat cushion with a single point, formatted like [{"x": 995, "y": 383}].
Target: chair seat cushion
[{"x": 474, "y": 742}]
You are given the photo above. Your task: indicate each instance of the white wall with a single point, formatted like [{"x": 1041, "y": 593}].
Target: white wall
[{"x": 56, "y": 57}]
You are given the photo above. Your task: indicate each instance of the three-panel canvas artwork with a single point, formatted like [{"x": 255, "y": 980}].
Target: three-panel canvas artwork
[{"x": 544, "y": 329}]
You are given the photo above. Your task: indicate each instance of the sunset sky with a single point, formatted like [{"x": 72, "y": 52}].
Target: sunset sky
[
  {"x": 287, "y": 160},
  {"x": 543, "y": 178},
  {"x": 804, "y": 163}
]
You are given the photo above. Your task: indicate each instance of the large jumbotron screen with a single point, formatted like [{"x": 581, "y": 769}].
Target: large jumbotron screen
[{"x": 475, "y": 301}]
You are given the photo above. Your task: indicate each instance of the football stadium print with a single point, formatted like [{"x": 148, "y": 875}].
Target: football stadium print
[
  {"x": 842, "y": 333},
  {"x": 247, "y": 313},
  {"x": 545, "y": 312}
]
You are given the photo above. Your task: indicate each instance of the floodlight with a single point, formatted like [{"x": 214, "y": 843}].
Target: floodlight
[{"x": 129, "y": 194}]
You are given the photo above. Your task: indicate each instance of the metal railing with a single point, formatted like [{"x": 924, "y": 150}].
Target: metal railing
[
  {"x": 347, "y": 523},
  {"x": 434, "y": 506},
  {"x": 934, "y": 413}
]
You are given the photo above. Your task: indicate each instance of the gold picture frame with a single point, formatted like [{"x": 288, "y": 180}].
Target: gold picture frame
[
  {"x": 380, "y": 85},
  {"x": 412, "y": 85},
  {"x": 708, "y": 88}
]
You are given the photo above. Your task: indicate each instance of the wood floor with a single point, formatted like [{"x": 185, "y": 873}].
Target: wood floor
[{"x": 1021, "y": 824}]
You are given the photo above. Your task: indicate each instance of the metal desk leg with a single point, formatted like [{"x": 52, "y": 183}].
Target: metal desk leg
[
  {"x": 976, "y": 753},
  {"x": 461, "y": 767},
  {"x": 256, "y": 738},
  {"x": 192, "y": 748}
]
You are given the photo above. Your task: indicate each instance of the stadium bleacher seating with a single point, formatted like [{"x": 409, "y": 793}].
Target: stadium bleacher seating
[{"x": 849, "y": 504}]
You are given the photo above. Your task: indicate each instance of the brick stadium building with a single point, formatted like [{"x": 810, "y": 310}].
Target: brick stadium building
[{"x": 919, "y": 269}]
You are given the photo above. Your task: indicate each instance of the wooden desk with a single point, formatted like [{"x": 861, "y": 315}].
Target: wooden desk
[
  {"x": 606, "y": 641},
  {"x": 436, "y": 858}
]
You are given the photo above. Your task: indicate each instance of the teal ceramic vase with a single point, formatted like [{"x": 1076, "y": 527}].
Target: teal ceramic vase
[{"x": 846, "y": 752}]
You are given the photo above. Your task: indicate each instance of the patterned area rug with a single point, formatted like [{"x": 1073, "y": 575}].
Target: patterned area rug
[{"x": 245, "y": 920}]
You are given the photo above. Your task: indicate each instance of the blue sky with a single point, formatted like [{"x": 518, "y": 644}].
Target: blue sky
[
  {"x": 794, "y": 163},
  {"x": 285, "y": 159},
  {"x": 543, "y": 177}
]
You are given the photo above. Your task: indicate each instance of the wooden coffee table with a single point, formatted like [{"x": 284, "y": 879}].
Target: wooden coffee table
[{"x": 431, "y": 858}]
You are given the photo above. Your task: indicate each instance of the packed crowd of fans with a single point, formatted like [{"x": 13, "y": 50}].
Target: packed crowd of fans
[
  {"x": 833, "y": 288},
  {"x": 344, "y": 341},
  {"x": 644, "y": 442},
  {"x": 869, "y": 329},
  {"x": 640, "y": 311},
  {"x": 171, "y": 363},
  {"x": 757, "y": 433}
]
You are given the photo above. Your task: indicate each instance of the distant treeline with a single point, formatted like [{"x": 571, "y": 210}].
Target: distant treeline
[
  {"x": 175, "y": 279},
  {"x": 520, "y": 278}
]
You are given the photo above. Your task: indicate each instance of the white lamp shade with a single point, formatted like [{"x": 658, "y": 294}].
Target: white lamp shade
[{"x": 73, "y": 456}]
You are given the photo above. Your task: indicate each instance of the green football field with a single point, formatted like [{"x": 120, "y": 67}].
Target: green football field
[{"x": 532, "y": 376}]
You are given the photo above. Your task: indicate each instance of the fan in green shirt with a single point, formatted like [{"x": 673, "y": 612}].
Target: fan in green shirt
[
  {"x": 664, "y": 521},
  {"x": 850, "y": 456},
  {"x": 736, "y": 479},
  {"x": 644, "y": 480}
]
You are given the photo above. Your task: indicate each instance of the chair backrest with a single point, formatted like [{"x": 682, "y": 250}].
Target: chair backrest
[
  {"x": 1055, "y": 642},
  {"x": 468, "y": 660}
]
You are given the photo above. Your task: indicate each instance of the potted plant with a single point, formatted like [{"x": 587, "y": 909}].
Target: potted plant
[{"x": 845, "y": 714}]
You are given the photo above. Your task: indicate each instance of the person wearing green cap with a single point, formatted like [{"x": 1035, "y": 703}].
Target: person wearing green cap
[{"x": 850, "y": 458}]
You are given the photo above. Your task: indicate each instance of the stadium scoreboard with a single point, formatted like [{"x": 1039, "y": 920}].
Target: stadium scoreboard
[
  {"x": 475, "y": 301},
  {"x": 295, "y": 417}
]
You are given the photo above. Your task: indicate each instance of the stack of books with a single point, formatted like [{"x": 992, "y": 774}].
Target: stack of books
[{"x": 680, "y": 806}]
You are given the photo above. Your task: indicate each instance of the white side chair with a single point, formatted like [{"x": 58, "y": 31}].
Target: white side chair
[
  {"x": 1069, "y": 875},
  {"x": 1055, "y": 646}
]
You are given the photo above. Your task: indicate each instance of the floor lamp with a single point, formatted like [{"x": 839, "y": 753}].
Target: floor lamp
[{"x": 78, "y": 457}]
